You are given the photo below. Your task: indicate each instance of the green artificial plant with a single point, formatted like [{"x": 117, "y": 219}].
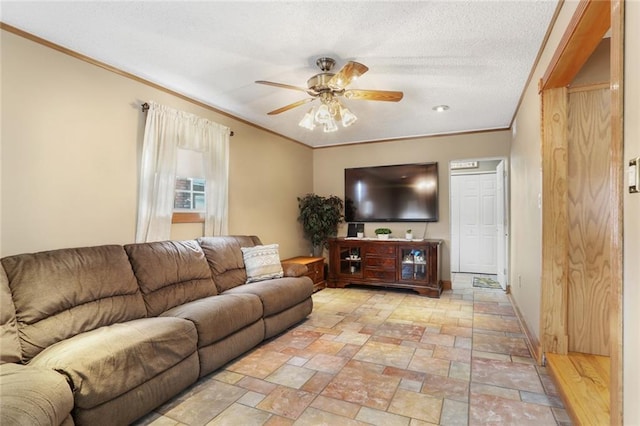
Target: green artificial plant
[
  {"x": 382, "y": 231},
  {"x": 320, "y": 217}
]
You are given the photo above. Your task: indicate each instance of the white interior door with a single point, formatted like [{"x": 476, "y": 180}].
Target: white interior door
[
  {"x": 501, "y": 235},
  {"x": 477, "y": 195}
]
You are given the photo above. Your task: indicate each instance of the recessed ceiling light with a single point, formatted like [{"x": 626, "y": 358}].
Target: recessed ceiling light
[{"x": 440, "y": 108}]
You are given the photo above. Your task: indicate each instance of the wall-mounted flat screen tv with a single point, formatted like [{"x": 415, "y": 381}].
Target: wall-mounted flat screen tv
[{"x": 399, "y": 193}]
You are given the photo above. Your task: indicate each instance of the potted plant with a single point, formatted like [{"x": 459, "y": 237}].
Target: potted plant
[
  {"x": 408, "y": 235},
  {"x": 383, "y": 233},
  {"x": 320, "y": 217}
]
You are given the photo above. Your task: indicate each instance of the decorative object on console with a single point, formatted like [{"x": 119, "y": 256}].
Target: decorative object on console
[
  {"x": 328, "y": 87},
  {"x": 383, "y": 233},
  {"x": 262, "y": 262},
  {"x": 320, "y": 217},
  {"x": 408, "y": 235}
]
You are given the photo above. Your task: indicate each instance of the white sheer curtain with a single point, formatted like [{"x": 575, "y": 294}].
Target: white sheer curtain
[{"x": 166, "y": 130}]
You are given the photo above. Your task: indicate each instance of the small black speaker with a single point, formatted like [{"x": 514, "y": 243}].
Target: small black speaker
[{"x": 354, "y": 228}]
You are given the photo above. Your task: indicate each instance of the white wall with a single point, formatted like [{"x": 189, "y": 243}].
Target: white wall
[{"x": 329, "y": 165}]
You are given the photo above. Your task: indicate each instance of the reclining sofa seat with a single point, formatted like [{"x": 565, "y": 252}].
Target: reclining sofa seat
[
  {"x": 285, "y": 301},
  {"x": 80, "y": 313},
  {"x": 29, "y": 395},
  {"x": 175, "y": 281}
]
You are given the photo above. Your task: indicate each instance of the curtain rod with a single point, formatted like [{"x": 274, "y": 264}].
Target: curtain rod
[{"x": 145, "y": 108}]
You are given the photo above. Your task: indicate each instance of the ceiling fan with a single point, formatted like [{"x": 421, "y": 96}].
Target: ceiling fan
[{"x": 328, "y": 87}]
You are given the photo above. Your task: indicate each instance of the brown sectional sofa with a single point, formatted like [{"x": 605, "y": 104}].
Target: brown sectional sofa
[{"x": 103, "y": 335}]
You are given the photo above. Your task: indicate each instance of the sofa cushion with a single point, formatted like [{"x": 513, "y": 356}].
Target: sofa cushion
[
  {"x": 61, "y": 293},
  {"x": 9, "y": 342},
  {"x": 225, "y": 259},
  {"x": 33, "y": 396},
  {"x": 278, "y": 294},
  {"x": 218, "y": 317},
  {"x": 262, "y": 262},
  {"x": 170, "y": 273},
  {"x": 105, "y": 363}
]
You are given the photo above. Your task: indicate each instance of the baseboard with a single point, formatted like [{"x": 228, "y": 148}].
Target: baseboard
[{"x": 532, "y": 341}]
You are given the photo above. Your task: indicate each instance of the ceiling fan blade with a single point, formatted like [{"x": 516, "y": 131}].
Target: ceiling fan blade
[
  {"x": 290, "y": 106},
  {"x": 348, "y": 73},
  {"x": 282, "y": 85},
  {"x": 373, "y": 95}
]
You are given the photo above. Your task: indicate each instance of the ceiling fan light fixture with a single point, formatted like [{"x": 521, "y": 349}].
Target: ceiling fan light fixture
[
  {"x": 440, "y": 108},
  {"x": 348, "y": 118},
  {"x": 330, "y": 126},
  {"x": 323, "y": 115},
  {"x": 307, "y": 120}
]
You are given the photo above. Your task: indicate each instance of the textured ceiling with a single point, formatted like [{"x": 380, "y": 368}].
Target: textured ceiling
[{"x": 474, "y": 56}]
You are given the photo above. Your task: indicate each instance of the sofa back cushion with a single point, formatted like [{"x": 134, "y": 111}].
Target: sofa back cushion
[
  {"x": 170, "y": 273},
  {"x": 61, "y": 293},
  {"x": 9, "y": 343},
  {"x": 225, "y": 258}
]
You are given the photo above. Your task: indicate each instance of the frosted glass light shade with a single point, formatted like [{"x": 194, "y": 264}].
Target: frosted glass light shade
[
  {"x": 348, "y": 118},
  {"x": 307, "y": 121}
]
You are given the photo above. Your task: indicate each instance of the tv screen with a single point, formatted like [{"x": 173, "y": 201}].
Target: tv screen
[{"x": 400, "y": 193}]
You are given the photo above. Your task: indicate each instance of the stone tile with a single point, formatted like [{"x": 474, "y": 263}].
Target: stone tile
[
  {"x": 486, "y": 409},
  {"x": 336, "y": 406},
  {"x": 429, "y": 365},
  {"x": 313, "y": 416},
  {"x": 541, "y": 399},
  {"x": 416, "y": 405},
  {"x": 500, "y": 344},
  {"x": 291, "y": 376},
  {"x": 286, "y": 402},
  {"x": 257, "y": 385},
  {"x": 490, "y": 390},
  {"x": 496, "y": 323},
  {"x": 454, "y": 413},
  {"x": 251, "y": 398},
  {"x": 463, "y": 342},
  {"x": 156, "y": 419},
  {"x": 457, "y": 331},
  {"x": 318, "y": 382},
  {"x": 324, "y": 320},
  {"x": 259, "y": 364},
  {"x": 444, "y": 387},
  {"x": 377, "y": 417},
  {"x": 202, "y": 403},
  {"x": 405, "y": 374},
  {"x": 506, "y": 374},
  {"x": 326, "y": 363},
  {"x": 400, "y": 331},
  {"x": 385, "y": 354},
  {"x": 279, "y": 421},
  {"x": 412, "y": 385},
  {"x": 490, "y": 355},
  {"x": 352, "y": 338},
  {"x": 452, "y": 354},
  {"x": 249, "y": 416},
  {"x": 439, "y": 339},
  {"x": 495, "y": 308},
  {"x": 227, "y": 377},
  {"x": 460, "y": 370},
  {"x": 362, "y": 387}
]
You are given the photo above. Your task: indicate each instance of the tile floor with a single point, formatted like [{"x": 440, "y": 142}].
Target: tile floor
[{"x": 381, "y": 357}]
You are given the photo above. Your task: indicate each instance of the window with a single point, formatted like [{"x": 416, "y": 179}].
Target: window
[
  {"x": 189, "y": 195},
  {"x": 189, "y": 198}
]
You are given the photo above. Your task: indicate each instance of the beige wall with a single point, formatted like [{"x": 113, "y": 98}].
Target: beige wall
[
  {"x": 631, "y": 291},
  {"x": 329, "y": 165},
  {"x": 71, "y": 142}
]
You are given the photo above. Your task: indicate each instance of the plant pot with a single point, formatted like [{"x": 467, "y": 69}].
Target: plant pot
[
  {"x": 383, "y": 236},
  {"x": 408, "y": 236}
]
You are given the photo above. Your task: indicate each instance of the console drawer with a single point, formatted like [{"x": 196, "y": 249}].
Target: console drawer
[
  {"x": 383, "y": 249},
  {"x": 380, "y": 262},
  {"x": 381, "y": 275}
]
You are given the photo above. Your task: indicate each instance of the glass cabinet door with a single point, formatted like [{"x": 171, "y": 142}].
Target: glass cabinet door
[
  {"x": 414, "y": 264},
  {"x": 351, "y": 260}
]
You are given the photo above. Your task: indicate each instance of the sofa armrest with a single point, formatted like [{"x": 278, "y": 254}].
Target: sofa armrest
[{"x": 292, "y": 269}]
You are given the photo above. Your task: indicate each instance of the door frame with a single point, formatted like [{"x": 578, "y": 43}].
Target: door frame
[
  {"x": 590, "y": 22},
  {"x": 453, "y": 220}
]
